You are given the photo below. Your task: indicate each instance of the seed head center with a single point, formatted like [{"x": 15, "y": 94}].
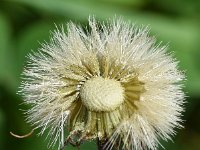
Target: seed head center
[{"x": 102, "y": 94}]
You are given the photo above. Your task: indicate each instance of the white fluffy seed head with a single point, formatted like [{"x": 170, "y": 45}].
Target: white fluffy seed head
[
  {"x": 102, "y": 94},
  {"x": 112, "y": 83}
]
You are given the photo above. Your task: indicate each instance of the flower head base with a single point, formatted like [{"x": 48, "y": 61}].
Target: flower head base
[
  {"x": 100, "y": 94},
  {"x": 113, "y": 84}
]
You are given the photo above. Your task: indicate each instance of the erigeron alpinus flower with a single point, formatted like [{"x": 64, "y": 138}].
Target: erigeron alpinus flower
[{"x": 111, "y": 82}]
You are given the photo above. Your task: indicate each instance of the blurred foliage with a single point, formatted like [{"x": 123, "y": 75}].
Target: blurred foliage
[{"x": 24, "y": 24}]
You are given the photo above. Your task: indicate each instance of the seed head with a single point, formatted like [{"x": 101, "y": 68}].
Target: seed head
[{"x": 111, "y": 83}]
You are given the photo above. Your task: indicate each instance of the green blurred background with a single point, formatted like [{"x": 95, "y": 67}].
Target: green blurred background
[{"x": 24, "y": 24}]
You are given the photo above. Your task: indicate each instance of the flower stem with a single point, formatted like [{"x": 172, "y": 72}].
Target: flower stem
[{"x": 101, "y": 144}]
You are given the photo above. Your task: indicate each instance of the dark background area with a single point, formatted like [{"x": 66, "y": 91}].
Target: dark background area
[{"x": 24, "y": 24}]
